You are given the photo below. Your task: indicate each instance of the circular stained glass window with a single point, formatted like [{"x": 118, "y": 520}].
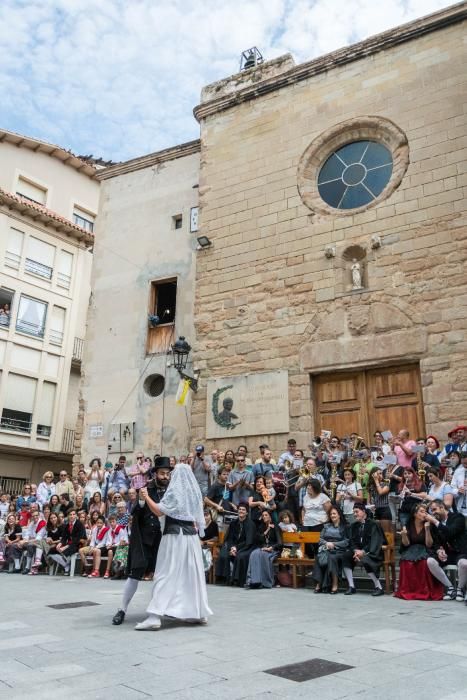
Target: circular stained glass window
[{"x": 355, "y": 174}]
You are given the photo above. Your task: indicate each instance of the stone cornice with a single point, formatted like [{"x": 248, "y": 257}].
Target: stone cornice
[
  {"x": 38, "y": 213},
  {"x": 379, "y": 42},
  {"x": 180, "y": 151}
]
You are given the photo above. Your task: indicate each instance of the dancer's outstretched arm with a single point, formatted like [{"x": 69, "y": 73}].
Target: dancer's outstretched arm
[{"x": 152, "y": 505}]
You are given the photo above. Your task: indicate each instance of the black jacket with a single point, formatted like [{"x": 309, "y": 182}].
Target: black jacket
[
  {"x": 145, "y": 529},
  {"x": 241, "y": 535},
  {"x": 370, "y": 539},
  {"x": 72, "y": 539},
  {"x": 452, "y": 534}
]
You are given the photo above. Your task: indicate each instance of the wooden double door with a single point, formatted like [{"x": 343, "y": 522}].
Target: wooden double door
[{"x": 388, "y": 398}]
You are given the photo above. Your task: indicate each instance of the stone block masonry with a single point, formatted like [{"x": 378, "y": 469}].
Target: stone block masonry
[{"x": 265, "y": 288}]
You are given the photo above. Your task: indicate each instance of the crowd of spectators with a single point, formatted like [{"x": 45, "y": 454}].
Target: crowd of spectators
[{"x": 349, "y": 492}]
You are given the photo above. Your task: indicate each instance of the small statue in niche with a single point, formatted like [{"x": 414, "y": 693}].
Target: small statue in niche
[{"x": 356, "y": 274}]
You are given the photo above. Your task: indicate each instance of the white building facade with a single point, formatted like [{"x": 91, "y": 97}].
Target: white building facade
[{"x": 48, "y": 204}]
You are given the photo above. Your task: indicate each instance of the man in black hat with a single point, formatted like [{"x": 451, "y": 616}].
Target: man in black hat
[{"x": 145, "y": 536}]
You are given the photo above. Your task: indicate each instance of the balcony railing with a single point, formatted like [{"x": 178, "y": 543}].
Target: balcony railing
[
  {"x": 38, "y": 268},
  {"x": 78, "y": 349},
  {"x": 68, "y": 441},
  {"x": 12, "y": 486}
]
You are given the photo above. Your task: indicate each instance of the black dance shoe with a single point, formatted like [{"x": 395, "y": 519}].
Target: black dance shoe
[
  {"x": 377, "y": 592},
  {"x": 118, "y": 617},
  {"x": 350, "y": 591}
]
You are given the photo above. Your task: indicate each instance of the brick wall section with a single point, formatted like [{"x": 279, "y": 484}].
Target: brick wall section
[{"x": 264, "y": 279}]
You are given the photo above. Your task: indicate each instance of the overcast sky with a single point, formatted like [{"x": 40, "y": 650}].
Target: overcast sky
[{"x": 120, "y": 78}]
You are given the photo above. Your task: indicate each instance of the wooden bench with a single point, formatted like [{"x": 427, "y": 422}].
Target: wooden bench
[
  {"x": 298, "y": 565},
  {"x": 215, "y": 547}
]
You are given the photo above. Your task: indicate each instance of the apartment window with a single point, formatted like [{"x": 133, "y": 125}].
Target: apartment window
[
  {"x": 64, "y": 269},
  {"x": 39, "y": 258},
  {"x": 83, "y": 218},
  {"x": 162, "y": 309},
  {"x": 57, "y": 325},
  {"x": 32, "y": 191},
  {"x": 18, "y": 403},
  {"x": 6, "y": 300},
  {"x": 31, "y": 316},
  {"x": 14, "y": 249},
  {"x": 45, "y": 409},
  {"x": 178, "y": 221}
]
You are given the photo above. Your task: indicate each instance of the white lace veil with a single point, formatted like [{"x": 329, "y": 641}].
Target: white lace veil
[{"x": 183, "y": 499}]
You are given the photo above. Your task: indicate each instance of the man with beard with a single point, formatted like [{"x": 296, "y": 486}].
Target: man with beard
[{"x": 145, "y": 536}]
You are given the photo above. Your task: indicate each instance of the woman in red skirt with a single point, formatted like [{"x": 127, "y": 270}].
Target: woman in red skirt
[{"x": 415, "y": 579}]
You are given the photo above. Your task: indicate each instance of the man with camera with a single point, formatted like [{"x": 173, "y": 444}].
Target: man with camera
[
  {"x": 118, "y": 480},
  {"x": 201, "y": 469}
]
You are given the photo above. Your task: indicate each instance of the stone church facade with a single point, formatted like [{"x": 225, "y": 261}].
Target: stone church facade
[{"x": 348, "y": 273}]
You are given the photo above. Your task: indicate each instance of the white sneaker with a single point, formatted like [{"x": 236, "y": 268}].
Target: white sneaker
[{"x": 151, "y": 624}]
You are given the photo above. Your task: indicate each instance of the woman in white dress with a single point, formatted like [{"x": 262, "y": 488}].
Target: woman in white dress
[{"x": 180, "y": 584}]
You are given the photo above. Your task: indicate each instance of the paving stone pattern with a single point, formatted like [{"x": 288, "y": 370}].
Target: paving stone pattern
[{"x": 394, "y": 648}]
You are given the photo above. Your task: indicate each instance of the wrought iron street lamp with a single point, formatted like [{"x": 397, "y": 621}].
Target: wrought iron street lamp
[{"x": 180, "y": 351}]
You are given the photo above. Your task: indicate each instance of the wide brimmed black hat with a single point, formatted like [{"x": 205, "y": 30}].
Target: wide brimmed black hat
[{"x": 161, "y": 463}]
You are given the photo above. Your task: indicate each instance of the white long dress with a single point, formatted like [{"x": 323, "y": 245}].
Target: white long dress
[{"x": 180, "y": 585}]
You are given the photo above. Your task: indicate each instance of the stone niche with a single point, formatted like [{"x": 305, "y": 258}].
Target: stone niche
[{"x": 362, "y": 335}]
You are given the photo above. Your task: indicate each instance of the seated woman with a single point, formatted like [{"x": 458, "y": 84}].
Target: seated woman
[
  {"x": 38, "y": 533},
  {"x": 332, "y": 550},
  {"x": 54, "y": 504},
  {"x": 26, "y": 497},
  {"x": 260, "y": 572},
  {"x": 409, "y": 494},
  {"x": 79, "y": 503},
  {"x": 9, "y": 545},
  {"x": 378, "y": 495},
  {"x": 415, "y": 579},
  {"x": 349, "y": 493},
  {"x": 54, "y": 534}
]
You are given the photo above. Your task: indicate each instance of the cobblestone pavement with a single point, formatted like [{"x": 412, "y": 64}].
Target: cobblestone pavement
[{"x": 398, "y": 649}]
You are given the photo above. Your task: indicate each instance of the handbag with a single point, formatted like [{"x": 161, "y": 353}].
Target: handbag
[
  {"x": 284, "y": 579},
  {"x": 323, "y": 555}
]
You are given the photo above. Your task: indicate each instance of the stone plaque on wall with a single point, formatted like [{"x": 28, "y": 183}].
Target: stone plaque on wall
[{"x": 248, "y": 404}]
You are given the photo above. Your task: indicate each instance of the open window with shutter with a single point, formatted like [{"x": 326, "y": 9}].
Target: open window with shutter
[
  {"x": 161, "y": 317},
  {"x": 14, "y": 249},
  {"x": 46, "y": 409},
  {"x": 19, "y": 403},
  {"x": 39, "y": 258},
  {"x": 57, "y": 325}
]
